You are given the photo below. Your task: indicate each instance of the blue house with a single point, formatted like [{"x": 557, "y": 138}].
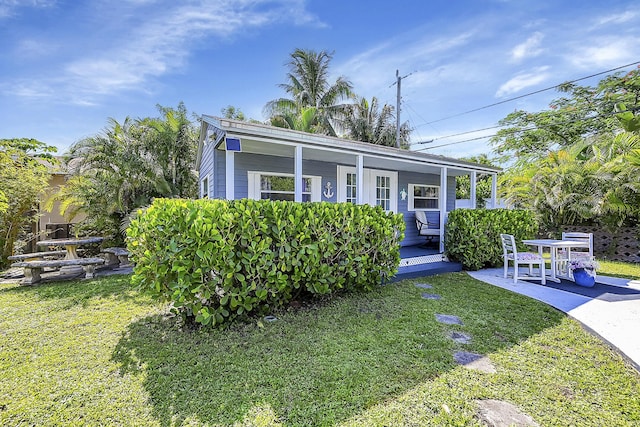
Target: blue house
[{"x": 238, "y": 160}]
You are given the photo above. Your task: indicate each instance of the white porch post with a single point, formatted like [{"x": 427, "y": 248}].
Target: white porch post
[
  {"x": 230, "y": 174},
  {"x": 443, "y": 204},
  {"x": 360, "y": 179},
  {"x": 297, "y": 172},
  {"x": 472, "y": 193},
  {"x": 494, "y": 190}
]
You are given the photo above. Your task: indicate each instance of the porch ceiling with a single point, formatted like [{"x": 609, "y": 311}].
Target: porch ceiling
[{"x": 345, "y": 158}]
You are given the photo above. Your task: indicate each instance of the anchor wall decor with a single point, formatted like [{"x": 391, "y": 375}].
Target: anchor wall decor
[{"x": 328, "y": 193}]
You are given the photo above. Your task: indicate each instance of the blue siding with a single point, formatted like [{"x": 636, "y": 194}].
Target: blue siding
[
  {"x": 219, "y": 191},
  {"x": 207, "y": 168},
  {"x": 245, "y": 162},
  {"x": 214, "y": 161}
]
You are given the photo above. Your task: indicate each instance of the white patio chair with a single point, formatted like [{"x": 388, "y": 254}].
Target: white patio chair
[
  {"x": 424, "y": 229},
  {"x": 580, "y": 253},
  {"x": 585, "y": 253},
  {"x": 510, "y": 253}
]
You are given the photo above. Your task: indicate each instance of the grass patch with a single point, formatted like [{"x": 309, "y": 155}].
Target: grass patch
[
  {"x": 98, "y": 353},
  {"x": 619, "y": 269}
]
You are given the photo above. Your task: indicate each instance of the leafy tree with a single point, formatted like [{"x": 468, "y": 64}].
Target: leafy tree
[
  {"x": 231, "y": 112},
  {"x": 578, "y": 162},
  {"x": 23, "y": 177},
  {"x": 365, "y": 121},
  {"x": 588, "y": 183},
  {"x": 483, "y": 182},
  {"x": 127, "y": 165},
  {"x": 584, "y": 113},
  {"x": 172, "y": 141},
  {"x": 308, "y": 86}
]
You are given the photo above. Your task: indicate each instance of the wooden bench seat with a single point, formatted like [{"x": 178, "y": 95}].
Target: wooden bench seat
[
  {"x": 33, "y": 269},
  {"x": 116, "y": 256},
  {"x": 36, "y": 255}
]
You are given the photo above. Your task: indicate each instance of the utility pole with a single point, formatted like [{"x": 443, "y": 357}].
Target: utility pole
[{"x": 398, "y": 82}]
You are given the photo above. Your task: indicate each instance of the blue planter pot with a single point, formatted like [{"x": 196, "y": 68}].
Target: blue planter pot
[{"x": 584, "y": 277}]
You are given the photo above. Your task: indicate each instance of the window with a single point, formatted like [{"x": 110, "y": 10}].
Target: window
[
  {"x": 204, "y": 187},
  {"x": 351, "y": 187},
  {"x": 383, "y": 192},
  {"x": 274, "y": 186},
  {"x": 424, "y": 197}
]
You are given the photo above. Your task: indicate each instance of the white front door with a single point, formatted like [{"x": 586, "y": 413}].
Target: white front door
[{"x": 380, "y": 188}]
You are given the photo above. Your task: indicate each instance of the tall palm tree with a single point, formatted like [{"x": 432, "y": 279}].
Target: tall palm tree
[
  {"x": 365, "y": 121},
  {"x": 308, "y": 86}
]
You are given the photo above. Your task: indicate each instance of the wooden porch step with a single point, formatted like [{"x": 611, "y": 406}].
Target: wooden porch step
[{"x": 428, "y": 269}]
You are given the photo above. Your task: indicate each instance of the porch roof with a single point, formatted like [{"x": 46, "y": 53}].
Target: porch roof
[{"x": 270, "y": 140}]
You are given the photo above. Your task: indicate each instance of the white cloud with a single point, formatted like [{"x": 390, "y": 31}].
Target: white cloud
[
  {"x": 606, "y": 52},
  {"x": 530, "y": 48},
  {"x": 8, "y": 8},
  {"x": 618, "y": 18},
  {"x": 374, "y": 69},
  {"x": 523, "y": 81},
  {"x": 30, "y": 48},
  {"x": 136, "y": 53}
]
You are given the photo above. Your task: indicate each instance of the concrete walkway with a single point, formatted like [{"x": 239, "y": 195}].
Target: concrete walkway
[{"x": 616, "y": 322}]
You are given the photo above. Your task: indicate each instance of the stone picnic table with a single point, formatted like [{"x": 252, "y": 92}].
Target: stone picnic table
[{"x": 70, "y": 245}]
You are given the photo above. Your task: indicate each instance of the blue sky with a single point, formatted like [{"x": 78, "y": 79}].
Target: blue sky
[{"x": 67, "y": 66}]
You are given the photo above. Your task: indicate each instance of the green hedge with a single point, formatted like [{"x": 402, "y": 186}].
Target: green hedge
[
  {"x": 216, "y": 260},
  {"x": 472, "y": 236}
]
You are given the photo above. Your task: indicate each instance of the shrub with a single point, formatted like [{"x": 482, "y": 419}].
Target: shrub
[
  {"x": 472, "y": 236},
  {"x": 216, "y": 260}
]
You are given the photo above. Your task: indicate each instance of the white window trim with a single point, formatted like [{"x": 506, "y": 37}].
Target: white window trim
[
  {"x": 410, "y": 201},
  {"x": 208, "y": 186},
  {"x": 369, "y": 187},
  {"x": 254, "y": 178}
]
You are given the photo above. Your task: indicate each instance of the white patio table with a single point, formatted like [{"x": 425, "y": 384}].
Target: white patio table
[{"x": 554, "y": 245}]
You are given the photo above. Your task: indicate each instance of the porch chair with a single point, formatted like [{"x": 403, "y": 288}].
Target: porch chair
[
  {"x": 510, "y": 253},
  {"x": 424, "y": 229}
]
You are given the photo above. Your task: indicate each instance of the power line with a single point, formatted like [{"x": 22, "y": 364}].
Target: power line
[
  {"x": 516, "y": 130},
  {"x": 457, "y": 134},
  {"x": 528, "y": 94}
]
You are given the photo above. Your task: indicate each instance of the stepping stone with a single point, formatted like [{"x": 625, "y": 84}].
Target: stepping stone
[
  {"x": 431, "y": 296},
  {"x": 423, "y": 286},
  {"x": 474, "y": 361},
  {"x": 497, "y": 413},
  {"x": 449, "y": 319},
  {"x": 459, "y": 337}
]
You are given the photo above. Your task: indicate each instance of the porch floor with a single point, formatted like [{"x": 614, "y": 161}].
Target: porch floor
[{"x": 416, "y": 251}]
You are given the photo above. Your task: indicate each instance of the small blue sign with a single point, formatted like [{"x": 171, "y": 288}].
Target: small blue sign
[{"x": 233, "y": 144}]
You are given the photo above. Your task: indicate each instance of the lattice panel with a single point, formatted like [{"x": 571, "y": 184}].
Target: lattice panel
[
  {"x": 426, "y": 259},
  {"x": 624, "y": 246}
]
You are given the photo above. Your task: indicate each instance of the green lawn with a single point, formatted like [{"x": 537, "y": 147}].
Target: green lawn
[
  {"x": 619, "y": 269},
  {"x": 98, "y": 353}
]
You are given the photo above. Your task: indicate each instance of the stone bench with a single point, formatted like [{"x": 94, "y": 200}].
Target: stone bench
[
  {"x": 36, "y": 255},
  {"x": 32, "y": 269},
  {"x": 116, "y": 256}
]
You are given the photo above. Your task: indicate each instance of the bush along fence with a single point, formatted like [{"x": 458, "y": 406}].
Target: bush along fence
[
  {"x": 624, "y": 245},
  {"x": 472, "y": 236},
  {"x": 215, "y": 260}
]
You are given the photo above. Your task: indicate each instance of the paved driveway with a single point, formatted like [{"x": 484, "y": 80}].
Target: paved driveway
[{"x": 616, "y": 321}]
